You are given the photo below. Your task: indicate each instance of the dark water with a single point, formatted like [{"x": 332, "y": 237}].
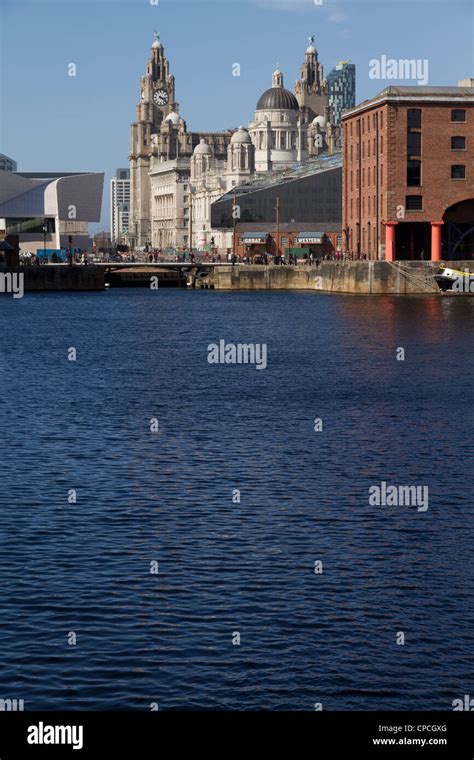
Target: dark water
[{"x": 228, "y": 567}]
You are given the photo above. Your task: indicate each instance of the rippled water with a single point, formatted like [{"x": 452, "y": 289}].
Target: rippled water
[{"x": 228, "y": 567}]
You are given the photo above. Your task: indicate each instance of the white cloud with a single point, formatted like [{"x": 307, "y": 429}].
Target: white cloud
[
  {"x": 332, "y": 12},
  {"x": 337, "y": 17}
]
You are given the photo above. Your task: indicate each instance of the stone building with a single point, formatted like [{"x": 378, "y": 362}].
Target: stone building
[
  {"x": 210, "y": 179},
  {"x": 311, "y": 89},
  {"x": 176, "y": 175},
  {"x": 158, "y": 136}
]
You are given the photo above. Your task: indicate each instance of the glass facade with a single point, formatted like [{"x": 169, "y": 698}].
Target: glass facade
[
  {"x": 342, "y": 89},
  {"x": 316, "y": 199},
  {"x": 30, "y": 226}
]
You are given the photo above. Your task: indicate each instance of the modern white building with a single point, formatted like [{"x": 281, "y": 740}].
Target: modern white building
[
  {"x": 119, "y": 206},
  {"x": 50, "y": 209}
]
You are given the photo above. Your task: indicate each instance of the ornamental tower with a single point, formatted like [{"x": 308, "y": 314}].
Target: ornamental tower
[
  {"x": 311, "y": 89},
  {"x": 157, "y": 101}
]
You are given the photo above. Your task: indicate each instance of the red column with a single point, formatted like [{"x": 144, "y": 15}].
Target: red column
[
  {"x": 390, "y": 240},
  {"x": 436, "y": 241}
]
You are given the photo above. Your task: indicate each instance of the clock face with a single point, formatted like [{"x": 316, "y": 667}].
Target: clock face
[{"x": 160, "y": 97}]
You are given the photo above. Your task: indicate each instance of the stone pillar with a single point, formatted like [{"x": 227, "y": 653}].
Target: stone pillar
[
  {"x": 436, "y": 241},
  {"x": 390, "y": 240}
]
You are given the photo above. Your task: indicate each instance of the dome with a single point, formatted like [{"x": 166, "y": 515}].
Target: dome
[
  {"x": 240, "y": 136},
  {"x": 203, "y": 149},
  {"x": 321, "y": 120},
  {"x": 157, "y": 43},
  {"x": 311, "y": 49},
  {"x": 173, "y": 117},
  {"x": 277, "y": 99}
]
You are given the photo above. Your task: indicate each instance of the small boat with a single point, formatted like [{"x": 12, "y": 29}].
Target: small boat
[{"x": 455, "y": 280}]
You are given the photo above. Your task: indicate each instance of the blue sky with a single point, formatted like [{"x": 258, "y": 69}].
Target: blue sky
[{"x": 51, "y": 121}]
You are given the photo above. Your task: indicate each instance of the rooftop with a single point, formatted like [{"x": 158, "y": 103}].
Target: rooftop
[
  {"x": 414, "y": 92},
  {"x": 289, "y": 174}
]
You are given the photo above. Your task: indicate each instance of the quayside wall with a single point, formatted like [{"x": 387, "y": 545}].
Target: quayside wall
[
  {"x": 359, "y": 277},
  {"x": 52, "y": 278}
]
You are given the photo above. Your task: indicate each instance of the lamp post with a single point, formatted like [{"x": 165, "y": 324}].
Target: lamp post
[
  {"x": 45, "y": 230},
  {"x": 277, "y": 209}
]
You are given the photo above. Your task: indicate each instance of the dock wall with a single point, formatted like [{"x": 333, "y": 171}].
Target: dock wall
[
  {"x": 359, "y": 277},
  {"x": 60, "y": 278}
]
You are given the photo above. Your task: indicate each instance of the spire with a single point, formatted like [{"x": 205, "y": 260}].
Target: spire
[{"x": 277, "y": 77}]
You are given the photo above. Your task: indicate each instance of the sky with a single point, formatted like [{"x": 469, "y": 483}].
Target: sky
[{"x": 51, "y": 121}]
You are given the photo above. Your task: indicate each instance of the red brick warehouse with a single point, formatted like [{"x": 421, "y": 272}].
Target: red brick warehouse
[{"x": 408, "y": 174}]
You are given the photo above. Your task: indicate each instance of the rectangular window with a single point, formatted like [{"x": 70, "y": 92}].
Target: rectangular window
[
  {"x": 414, "y": 118},
  {"x": 381, "y": 174},
  {"x": 458, "y": 171},
  {"x": 352, "y": 178},
  {"x": 368, "y": 148},
  {"x": 381, "y": 119},
  {"x": 458, "y": 143},
  {"x": 363, "y": 150},
  {"x": 414, "y": 203},
  {"x": 414, "y": 143},
  {"x": 413, "y": 172},
  {"x": 351, "y": 152},
  {"x": 458, "y": 114},
  {"x": 363, "y": 177},
  {"x": 381, "y": 143}
]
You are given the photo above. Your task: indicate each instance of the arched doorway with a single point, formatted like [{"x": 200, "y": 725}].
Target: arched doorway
[{"x": 458, "y": 231}]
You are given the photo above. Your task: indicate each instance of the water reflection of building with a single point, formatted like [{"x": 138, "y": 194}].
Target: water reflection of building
[{"x": 408, "y": 176}]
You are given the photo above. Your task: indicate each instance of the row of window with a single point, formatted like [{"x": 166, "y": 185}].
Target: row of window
[
  {"x": 458, "y": 171},
  {"x": 413, "y": 119},
  {"x": 363, "y": 124},
  {"x": 458, "y": 142}
]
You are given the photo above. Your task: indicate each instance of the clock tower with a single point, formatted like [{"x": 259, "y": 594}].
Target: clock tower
[{"x": 157, "y": 101}]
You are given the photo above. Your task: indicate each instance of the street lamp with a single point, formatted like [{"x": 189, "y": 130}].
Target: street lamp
[{"x": 45, "y": 231}]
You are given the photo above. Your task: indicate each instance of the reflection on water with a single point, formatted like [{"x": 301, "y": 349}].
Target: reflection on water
[{"x": 227, "y": 565}]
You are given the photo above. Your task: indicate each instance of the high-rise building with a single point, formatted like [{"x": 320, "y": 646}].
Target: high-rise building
[
  {"x": 342, "y": 89},
  {"x": 119, "y": 205},
  {"x": 7, "y": 164}
]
